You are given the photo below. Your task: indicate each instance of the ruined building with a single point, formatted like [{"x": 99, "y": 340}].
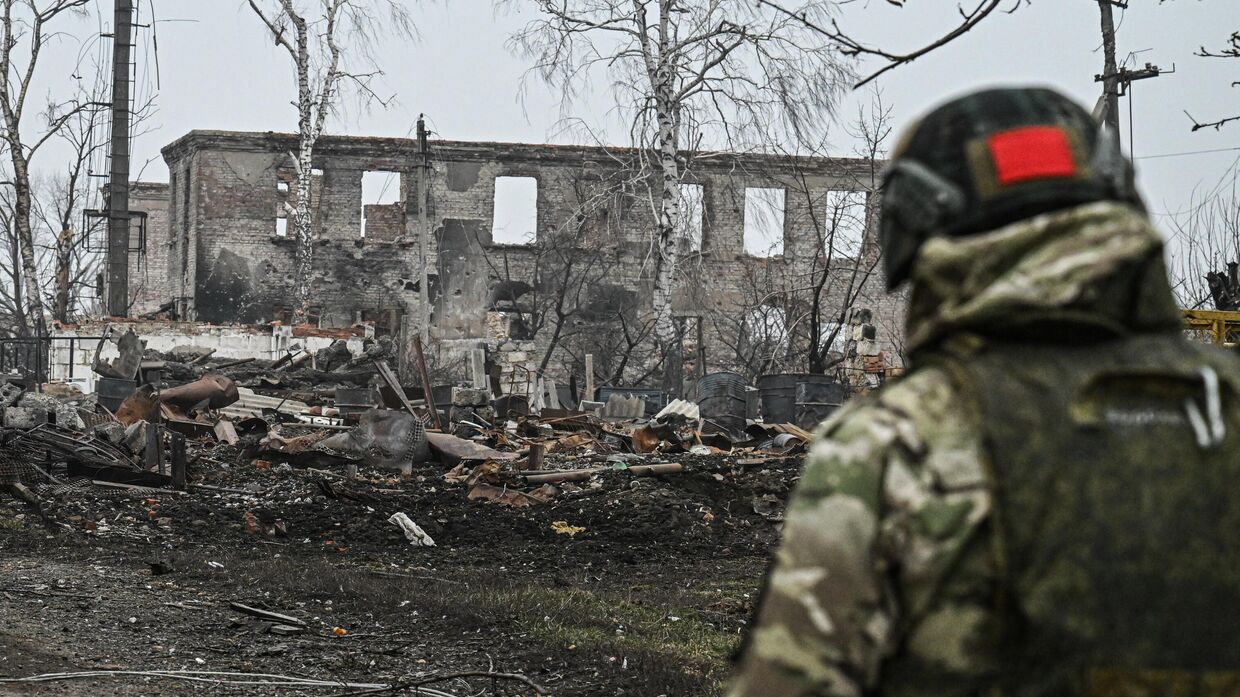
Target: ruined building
[{"x": 219, "y": 248}]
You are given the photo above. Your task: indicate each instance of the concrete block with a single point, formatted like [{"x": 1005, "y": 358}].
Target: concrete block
[
  {"x": 24, "y": 417},
  {"x": 470, "y": 397},
  {"x": 111, "y": 431},
  {"x": 67, "y": 417},
  {"x": 135, "y": 437}
]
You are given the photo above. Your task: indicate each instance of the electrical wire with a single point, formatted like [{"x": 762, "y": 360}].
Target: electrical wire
[{"x": 1185, "y": 154}]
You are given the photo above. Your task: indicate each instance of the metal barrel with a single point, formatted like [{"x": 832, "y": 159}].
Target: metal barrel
[
  {"x": 777, "y": 395},
  {"x": 721, "y": 399},
  {"x": 817, "y": 396}
]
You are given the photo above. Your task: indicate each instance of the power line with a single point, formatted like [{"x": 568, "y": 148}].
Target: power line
[{"x": 1184, "y": 154}]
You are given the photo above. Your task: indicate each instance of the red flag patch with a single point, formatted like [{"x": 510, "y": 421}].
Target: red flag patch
[{"x": 1034, "y": 152}]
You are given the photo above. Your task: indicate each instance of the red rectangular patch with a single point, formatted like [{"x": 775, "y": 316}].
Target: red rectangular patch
[{"x": 1035, "y": 152}]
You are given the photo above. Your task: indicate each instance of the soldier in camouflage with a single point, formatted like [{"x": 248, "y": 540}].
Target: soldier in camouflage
[{"x": 1047, "y": 503}]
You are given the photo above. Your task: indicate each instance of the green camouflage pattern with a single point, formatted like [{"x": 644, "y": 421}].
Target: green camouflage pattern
[
  {"x": 1117, "y": 517},
  {"x": 886, "y": 579}
]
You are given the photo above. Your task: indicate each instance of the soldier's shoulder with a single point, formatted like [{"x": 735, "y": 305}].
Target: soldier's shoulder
[
  {"x": 919, "y": 399},
  {"x": 920, "y": 422}
]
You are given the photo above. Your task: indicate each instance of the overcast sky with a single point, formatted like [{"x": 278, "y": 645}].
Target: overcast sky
[{"x": 217, "y": 69}]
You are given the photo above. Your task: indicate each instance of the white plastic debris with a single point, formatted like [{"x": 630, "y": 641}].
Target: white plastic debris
[{"x": 416, "y": 535}]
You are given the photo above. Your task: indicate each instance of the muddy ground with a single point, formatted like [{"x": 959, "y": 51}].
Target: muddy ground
[{"x": 621, "y": 586}]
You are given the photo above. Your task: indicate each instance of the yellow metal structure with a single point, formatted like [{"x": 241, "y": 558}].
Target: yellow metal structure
[{"x": 1223, "y": 326}]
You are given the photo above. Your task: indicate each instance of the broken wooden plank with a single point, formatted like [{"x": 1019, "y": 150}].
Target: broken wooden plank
[
  {"x": 180, "y": 464},
  {"x": 268, "y": 615},
  {"x": 385, "y": 372},
  {"x": 425, "y": 376}
]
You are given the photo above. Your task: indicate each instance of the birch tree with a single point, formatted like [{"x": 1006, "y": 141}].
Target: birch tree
[
  {"x": 28, "y": 27},
  {"x": 58, "y": 205},
  {"x": 689, "y": 74},
  {"x": 329, "y": 44}
]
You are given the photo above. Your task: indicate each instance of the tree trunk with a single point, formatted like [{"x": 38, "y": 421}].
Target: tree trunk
[
  {"x": 22, "y": 327},
  {"x": 302, "y": 223},
  {"x": 64, "y": 264},
  {"x": 668, "y": 249},
  {"x": 25, "y": 239}
]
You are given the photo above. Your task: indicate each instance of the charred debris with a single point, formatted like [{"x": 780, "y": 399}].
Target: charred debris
[{"x": 165, "y": 423}]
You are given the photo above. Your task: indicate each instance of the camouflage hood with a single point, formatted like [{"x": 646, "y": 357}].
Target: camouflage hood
[{"x": 1094, "y": 270}]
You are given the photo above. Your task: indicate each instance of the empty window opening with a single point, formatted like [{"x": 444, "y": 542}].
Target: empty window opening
[
  {"x": 692, "y": 214},
  {"x": 764, "y": 222},
  {"x": 137, "y": 231},
  {"x": 380, "y": 188},
  {"x": 843, "y": 222},
  {"x": 516, "y": 210},
  {"x": 284, "y": 198}
]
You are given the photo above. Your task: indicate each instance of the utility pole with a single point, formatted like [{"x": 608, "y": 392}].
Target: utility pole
[
  {"x": 424, "y": 228},
  {"x": 1110, "y": 73},
  {"x": 1117, "y": 81},
  {"x": 118, "y": 177}
]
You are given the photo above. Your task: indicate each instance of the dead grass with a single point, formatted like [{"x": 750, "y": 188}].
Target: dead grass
[{"x": 653, "y": 639}]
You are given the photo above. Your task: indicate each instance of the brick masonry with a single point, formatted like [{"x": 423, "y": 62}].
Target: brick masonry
[
  {"x": 223, "y": 261},
  {"x": 148, "y": 257}
]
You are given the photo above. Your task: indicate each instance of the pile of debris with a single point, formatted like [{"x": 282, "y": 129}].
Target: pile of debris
[{"x": 168, "y": 420}]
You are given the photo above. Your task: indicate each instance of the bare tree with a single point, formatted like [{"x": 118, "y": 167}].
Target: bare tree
[
  {"x": 27, "y": 30},
  {"x": 1205, "y": 240},
  {"x": 844, "y": 226},
  {"x": 1230, "y": 50},
  {"x": 688, "y": 72},
  {"x": 850, "y": 45},
  {"x": 12, "y": 296},
  {"x": 58, "y": 206},
  {"x": 792, "y": 310},
  {"x": 548, "y": 284},
  {"x": 317, "y": 36}
]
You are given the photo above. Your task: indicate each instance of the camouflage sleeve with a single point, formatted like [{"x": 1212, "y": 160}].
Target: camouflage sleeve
[{"x": 892, "y": 492}]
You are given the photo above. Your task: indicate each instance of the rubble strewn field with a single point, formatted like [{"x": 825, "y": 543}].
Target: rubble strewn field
[{"x": 613, "y": 578}]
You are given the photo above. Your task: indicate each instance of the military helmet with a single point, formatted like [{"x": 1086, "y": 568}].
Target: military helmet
[{"x": 991, "y": 158}]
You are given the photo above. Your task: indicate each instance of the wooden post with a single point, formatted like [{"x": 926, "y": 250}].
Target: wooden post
[
  {"x": 538, "y": 451},
  {"x": 180, "y": 466},
  {"x": 589, "y": 377},
  {"x": 155, "y": 448},
  {"x": 423, "y": 373}
]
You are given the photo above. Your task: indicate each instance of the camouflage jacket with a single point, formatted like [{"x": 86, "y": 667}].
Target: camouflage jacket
[{"x": 884, "y": 584}]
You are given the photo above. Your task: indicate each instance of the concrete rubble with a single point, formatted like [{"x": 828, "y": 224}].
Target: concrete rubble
[{"x": 185, "y": 412}]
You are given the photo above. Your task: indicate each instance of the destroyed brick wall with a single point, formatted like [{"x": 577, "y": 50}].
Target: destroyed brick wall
[
  {"x": 227, "y": 264},
  {"x": 148, "y": 252}
]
